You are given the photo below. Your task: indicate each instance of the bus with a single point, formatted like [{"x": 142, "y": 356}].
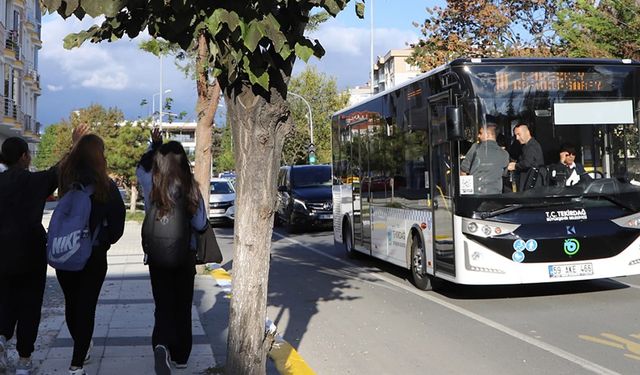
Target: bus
[{"x": 398, "y": 193}]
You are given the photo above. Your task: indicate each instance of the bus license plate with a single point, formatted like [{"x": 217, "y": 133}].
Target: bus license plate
[{"x": 571, "y": 270}]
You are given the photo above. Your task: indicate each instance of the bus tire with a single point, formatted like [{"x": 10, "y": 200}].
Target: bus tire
[
  {"x": 347, "y": 239},
  {"x": 419, "y": 277}
]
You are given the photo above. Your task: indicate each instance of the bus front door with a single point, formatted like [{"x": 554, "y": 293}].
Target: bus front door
[{"x": 442, "y": 190}]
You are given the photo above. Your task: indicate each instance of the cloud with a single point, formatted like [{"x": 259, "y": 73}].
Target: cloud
[{"x": 55, "y": 88}]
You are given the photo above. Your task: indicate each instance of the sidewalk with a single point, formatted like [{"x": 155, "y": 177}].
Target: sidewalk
[{"x": 124, "y": 322}]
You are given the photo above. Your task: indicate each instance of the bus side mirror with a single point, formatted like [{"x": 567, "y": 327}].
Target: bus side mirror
[{"x": 454, "y": 124}]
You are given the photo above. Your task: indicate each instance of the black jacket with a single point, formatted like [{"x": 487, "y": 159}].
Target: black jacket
[{"x": 22, "y": 237}]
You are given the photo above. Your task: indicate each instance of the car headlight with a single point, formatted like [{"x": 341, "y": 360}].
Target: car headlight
[{"x": 299, "y": 203}]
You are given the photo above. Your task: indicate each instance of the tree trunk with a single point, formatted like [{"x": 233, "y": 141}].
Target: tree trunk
[
  {"x": 133, "y": 198},
  {"x": 208, "y": 97},
  {"x": 259, "y": 128}
]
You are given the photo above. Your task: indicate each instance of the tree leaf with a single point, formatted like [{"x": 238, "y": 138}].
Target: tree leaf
[
  {"x": 108, "y": 8},
  {"x": 261, "y": 80},
  {"x": 303, "y": 51},
  {"x": 253, "y": 34},
  {"x": 360, "y": 9}
]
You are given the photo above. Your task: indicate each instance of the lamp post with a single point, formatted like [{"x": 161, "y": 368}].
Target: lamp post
[
  {"x": 312, "y": 147},
  {"x": 310, "y": 114},
  {"x": 153, "y": 105}
]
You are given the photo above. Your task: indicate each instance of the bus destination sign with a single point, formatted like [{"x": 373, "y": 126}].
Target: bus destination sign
[{"x": 551, "y": 81}]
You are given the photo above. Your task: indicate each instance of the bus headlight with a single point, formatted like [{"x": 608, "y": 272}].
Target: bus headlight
[
  {"x": 487, "y": 228},
  {"x": 472, "y": 227},
  {"x": 631, "y": 221}
]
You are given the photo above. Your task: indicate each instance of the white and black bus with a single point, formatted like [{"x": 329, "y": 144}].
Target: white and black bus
[{"x": 398, "y": 194}]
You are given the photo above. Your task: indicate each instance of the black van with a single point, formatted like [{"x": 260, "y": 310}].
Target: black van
[{"x": 304, "y": 197}]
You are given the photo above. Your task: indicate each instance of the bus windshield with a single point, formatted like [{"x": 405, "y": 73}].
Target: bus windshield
[{"x": 586, "y": 112}]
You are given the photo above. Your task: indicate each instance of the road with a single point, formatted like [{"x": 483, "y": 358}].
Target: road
[{"x": 364, "y": 317}]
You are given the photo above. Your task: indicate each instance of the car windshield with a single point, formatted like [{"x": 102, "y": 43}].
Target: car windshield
[
  {"x": 309, "y": 176},
  {"x": 221, "y": 187}
]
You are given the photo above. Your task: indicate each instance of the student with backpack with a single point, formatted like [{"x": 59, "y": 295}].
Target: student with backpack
[
  {"x": 82, "y": 173},
  {"x": 23, "y": 268},
  {"x": 174, "y": 211}
]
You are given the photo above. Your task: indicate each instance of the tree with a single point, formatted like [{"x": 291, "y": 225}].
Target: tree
[
  {"x": 54, "y": 144},
  {"x": 125, "y": 151},
  {"x": 225, "y": 160},
  {"x": 253, "y": 46},
  {"x": 487, "y": 28},
  {"x": 322, "y": 94},
  {"x": 610, "y": 29}
]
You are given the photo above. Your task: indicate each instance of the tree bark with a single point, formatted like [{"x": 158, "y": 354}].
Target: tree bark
[
  {"x": 134, "y": 197},
  {"x": 206, "y": 106},
  {"x": 259, "y": 128}
]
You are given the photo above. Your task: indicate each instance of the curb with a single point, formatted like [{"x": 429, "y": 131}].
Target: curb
[{"x": 284, "y": 356}]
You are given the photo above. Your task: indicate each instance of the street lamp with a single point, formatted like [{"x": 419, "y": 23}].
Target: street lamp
[
  {"x": 312, "y": 147},
  {"x": 310, "y": 114},
  {"x": 153, "y": 101}
]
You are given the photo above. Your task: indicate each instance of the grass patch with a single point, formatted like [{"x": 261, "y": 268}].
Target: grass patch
[{"x": 137, "y": 216}]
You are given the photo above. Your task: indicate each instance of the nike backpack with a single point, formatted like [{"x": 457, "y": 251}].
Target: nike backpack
[
  {"x": 69, "y": 240},
  {"x": 166, "y": 239}
]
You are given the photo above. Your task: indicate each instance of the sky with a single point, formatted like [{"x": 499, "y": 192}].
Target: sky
[{"x": 119, "y": 74}]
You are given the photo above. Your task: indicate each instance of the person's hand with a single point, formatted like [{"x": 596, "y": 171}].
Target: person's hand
[
  {"x": 563, "y": 156},
  {"x": 78, "y": 132},
  {"x": 156, "y": 135},
  {"x": 511, "y": 166}
]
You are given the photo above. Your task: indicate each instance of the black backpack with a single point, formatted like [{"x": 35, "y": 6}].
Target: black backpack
[{"x": 166, "y": 240}]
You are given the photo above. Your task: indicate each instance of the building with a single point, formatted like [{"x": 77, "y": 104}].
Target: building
[
  {"x": 183, "y": 132},
  {"x": 20, "y": 24},
  {"x": 389, "y": 71},
  {"x": 393, "y": 69}
]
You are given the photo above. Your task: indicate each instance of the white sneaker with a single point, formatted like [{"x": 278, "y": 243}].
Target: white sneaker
[
  {"x": 24, "y": 366},
  {"x": 161, "y": 357},
  {"x": 178, "y": 365},
  {"x": 3, "y": 353},
  {"x": 78, "y": 371}
]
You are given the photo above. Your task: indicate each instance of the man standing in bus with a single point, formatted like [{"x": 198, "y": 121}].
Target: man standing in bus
[
  {"x": 486, "y": 161},
  {"x": 568, "y": 172},
  {"x": 531, "y": 158}
]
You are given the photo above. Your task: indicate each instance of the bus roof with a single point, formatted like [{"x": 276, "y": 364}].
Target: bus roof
[{"x": 505, "y": 61}]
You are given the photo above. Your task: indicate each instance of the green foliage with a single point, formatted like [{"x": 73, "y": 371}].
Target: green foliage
[
  {"x": 253, "y": 43},
  {"x": 224, "y": 159},
  {"x": 54, "y": 144},
  {"x": 125, "y": 150},
  {"x": 322, "y": 94},
  {"x": 609, "y": 30}
]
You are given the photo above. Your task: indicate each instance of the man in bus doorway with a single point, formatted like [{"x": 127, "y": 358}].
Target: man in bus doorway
[
  {"x": 527, "y": 167},
  {"x": 486, "y": 161}
]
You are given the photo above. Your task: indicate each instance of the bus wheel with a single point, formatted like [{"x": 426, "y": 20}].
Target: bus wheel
[
  {"x": 347, "y": 239},
  {"x": 419, "y": 275}
]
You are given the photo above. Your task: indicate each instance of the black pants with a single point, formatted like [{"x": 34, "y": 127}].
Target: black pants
[
  {"x": 81, "y": 291},
  {"x": 20, "y": 305},
  {"x": 173, "y": 295}
]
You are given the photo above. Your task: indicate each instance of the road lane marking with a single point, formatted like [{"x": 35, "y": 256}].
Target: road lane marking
[
  {"x": 575, "y": 359},
  {"x": 285, "y": 357}
]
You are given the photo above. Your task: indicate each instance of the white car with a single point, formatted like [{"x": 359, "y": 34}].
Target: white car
[{"x": 222, "y": 200}]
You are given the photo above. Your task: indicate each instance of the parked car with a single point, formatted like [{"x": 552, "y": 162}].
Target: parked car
[
  {"x": 222, "y": 201},
  {"x": 304, "y": 197}
]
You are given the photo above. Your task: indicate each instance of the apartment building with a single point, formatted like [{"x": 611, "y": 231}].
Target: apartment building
[
  {"x": 393, "y": 69},
  {"x": 20, "y": 31},
  {"x": 389, "y": 71}
]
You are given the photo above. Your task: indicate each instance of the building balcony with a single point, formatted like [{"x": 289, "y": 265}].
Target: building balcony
[
  {"x": 12, "y": 43},
  {"x": 12, "y": 110}
]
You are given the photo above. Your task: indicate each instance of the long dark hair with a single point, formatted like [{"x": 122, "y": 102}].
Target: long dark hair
[
  {"x": 172, "y": 179},
  {"x": 86, "y": 164},
  {"x": 12, "y": 150}
]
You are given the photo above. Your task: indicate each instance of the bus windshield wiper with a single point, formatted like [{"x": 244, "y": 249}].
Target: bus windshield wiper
[{"x": 517, "y": 206}]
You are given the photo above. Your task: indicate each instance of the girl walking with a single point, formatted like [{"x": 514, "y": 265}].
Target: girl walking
[
  {"x": 168, "y": 187},
  {"x": 87, "y": 165}
]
